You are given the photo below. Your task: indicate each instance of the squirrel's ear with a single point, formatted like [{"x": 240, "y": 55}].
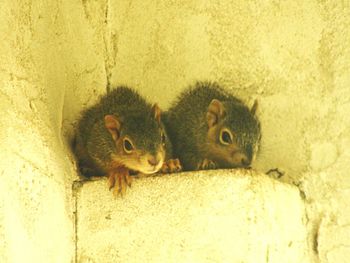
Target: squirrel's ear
[
  {"x": 254, "y": 107},
  {"x": 215, "y": 111},
  {"x": 113, "y": 126},
  {"x": 156, "y": 112}
]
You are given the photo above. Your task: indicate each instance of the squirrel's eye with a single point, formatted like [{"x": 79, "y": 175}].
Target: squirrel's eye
[
  {"x": 128, "y": 147},
  {"x": 226, "y": 137}
]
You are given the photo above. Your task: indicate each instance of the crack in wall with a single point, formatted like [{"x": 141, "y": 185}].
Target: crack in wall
[
  {"x": 111, "y": 45},
  {"x": 313, "y": 226},
  {"x": 75, "y": 188},
  {"x": 99, "y": 17},
  {"x": 109, "y": 61},
  {"x": 107, "y": 69},
  {"x": 315, "y": 236},
  {"x": 267, "y": 254}
]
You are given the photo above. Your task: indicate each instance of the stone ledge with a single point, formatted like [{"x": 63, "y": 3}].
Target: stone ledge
[{"x": 206, "y": 216}]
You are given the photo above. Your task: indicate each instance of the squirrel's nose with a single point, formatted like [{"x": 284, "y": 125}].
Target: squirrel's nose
[{"x": 153, "y": 161}]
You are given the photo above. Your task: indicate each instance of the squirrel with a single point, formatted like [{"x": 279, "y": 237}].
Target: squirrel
[
  {"x": 210, "y": 128},
  {"x": 123, "y": 133}
]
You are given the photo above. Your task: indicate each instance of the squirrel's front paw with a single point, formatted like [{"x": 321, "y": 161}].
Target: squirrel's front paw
[
  {"x": 171, "y": 166},
  {"x": 206, "y": 164},
  {"x": 123, "y": 179}
]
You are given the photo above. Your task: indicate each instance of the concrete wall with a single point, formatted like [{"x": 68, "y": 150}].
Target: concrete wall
[
  {"x": 293, "y": 56},
  {"x": 58, "y": 56},
  {"x": 48, "y": 52},
  {"x": 208, "y": 216}
]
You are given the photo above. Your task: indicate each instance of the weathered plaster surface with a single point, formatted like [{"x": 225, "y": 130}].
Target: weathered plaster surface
[
  {"x": 49, "y": 69},
  {"x": 58, "y": 56},
  {"x": 213, "y": 216},
  {"x": 293, "y": 56}
]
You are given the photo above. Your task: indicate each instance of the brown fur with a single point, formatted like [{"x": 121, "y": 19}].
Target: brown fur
[
  {"x": 100, "y": 142},
  {"x": 211, "y": 128}
]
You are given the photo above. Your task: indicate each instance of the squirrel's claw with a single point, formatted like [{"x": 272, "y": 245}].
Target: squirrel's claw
[
  {"x": 120, "y": 175},
  {"x": 171, "y": 166},
  {"x": 177, "y": 164},
  {"x": 206, "y": 164},
  {"x": 128, "y": 180},
  {"x": 111, "y": 181}
]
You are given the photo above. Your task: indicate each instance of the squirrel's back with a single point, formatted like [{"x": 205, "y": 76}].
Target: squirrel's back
[
  {"x": 201, "y": 93},
  {"x": 122, "y": 101},
  {"x": 133, "y": 120},
  {"x": 188, "y": 111},
  {"x": 187, "y": 125}
]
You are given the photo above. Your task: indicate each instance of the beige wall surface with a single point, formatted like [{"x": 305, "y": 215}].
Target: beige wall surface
[
  {"x": 48, "y": 50},
  {"x": 58, "y": 56},
  {"x": 207, "y": 216},
  {"x": 293, "y": 56}
]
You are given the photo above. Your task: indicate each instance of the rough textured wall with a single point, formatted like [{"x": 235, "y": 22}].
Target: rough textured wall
[
  {"x": 57, "y": 56},
  {"x": 50, "y": 57},
  {"x": 293, "y": 56},
  {"x": 206, "y": 216}
]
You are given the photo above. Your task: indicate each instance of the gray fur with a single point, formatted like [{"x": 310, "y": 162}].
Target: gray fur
[
  {"x": 187, "y": 126},
  {"x": 137, "y": 120}
]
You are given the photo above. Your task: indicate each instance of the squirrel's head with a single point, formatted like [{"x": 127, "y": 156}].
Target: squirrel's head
[
  {"x": 233, "y": 133},
  {"x": 139, "y": 141}
]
